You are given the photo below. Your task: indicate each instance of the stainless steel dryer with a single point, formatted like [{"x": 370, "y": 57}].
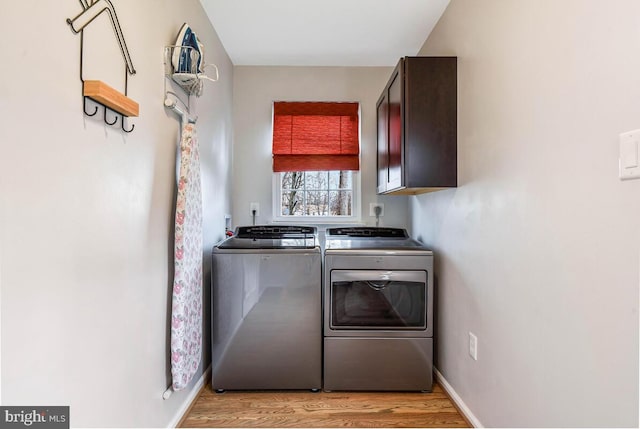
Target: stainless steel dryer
[
  {"x": 378, "y": 311},
  {"x": 266, "y": 309}
]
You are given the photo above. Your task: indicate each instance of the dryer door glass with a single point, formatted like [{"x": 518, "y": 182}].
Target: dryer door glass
[{"x": 378, "y": 300}]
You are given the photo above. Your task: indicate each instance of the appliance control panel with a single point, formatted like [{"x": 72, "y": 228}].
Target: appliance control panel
[{"x": 368, "y": 232}]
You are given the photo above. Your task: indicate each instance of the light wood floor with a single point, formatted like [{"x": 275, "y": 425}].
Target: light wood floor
[{"x": 323, "y": 409}]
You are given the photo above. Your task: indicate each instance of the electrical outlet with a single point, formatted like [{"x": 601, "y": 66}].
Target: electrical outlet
[
  {"x": 373, "y": 207},
  {"x": 473, "y": 346},
  {"x": 256, "y": 207}
]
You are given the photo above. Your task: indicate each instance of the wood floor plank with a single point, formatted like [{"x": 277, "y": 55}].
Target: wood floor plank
[{"x": 295, "y": 409}]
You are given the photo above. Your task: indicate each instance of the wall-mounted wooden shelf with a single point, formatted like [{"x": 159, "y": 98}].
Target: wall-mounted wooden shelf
[{"x": 113, "y": 99}]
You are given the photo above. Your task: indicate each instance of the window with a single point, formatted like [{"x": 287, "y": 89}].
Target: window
[
  {"x": 316, "y": 157},
  {"x": 316, "y": 193}
]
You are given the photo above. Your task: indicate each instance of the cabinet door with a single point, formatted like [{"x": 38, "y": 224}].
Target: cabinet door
[
  {"x": 395, "y": 130},
  {"x": 383, "y": 142},
  {"x": 430, "y": 115}
]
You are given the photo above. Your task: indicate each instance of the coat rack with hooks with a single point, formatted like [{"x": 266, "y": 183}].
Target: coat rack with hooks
[{"x": 96, "y": 90}]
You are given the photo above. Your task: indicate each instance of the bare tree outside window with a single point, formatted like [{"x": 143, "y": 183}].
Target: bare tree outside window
[
  {"x": 317, "y": 193},
  {"x": 291, "y": 199}
]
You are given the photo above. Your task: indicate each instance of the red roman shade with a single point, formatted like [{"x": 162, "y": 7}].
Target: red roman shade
[{"x": 315, "y": 136}]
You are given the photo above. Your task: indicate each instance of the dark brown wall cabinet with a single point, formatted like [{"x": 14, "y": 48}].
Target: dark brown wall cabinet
[{"x": 417, "y": 120}]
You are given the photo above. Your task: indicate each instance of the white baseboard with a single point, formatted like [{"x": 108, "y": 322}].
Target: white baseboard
[
  {"x": 457, "y": 399},
  {"x": 190, "y": 398}
]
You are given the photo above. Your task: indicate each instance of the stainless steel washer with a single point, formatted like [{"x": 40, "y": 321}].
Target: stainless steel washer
[
  {"x": 378, "y": 311},
  {"x": 266, "y": 309}
]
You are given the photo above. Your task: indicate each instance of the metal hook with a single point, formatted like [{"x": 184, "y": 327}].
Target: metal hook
[
  {"x": 84, "y": 107},
  {"x": 105, "y": 117},
  {"x": 126, "y": 131}
]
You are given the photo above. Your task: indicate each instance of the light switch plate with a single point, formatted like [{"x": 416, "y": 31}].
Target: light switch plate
[
  {"x": 473, "y": 346},
  {"x": 629, "y": 162}
]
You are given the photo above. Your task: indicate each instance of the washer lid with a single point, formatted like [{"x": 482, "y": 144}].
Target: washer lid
[
  {"x": 272, "y": 237},
  {"x": 371, "y": 239}
]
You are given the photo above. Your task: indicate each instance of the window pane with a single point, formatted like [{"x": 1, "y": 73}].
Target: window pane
[
  {"x": 340, "y": 203},
  {"x": 292, "y": 180},
  {"x": 340, "y": 180},
  {"x": 317, "y": 203},
  {"x": 316, "y": 180},
  {"x": 292, "y": 203},
  {"x": 285, "y": 179}
]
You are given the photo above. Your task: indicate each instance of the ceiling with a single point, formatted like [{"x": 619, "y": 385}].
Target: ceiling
[{"x": 322, "y": 32}]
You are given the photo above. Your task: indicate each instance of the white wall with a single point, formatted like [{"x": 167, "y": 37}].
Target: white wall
[
  {"x": 86, "y": 211},
  {"x": 537, "y": 250},
  {"x": 254, "y": 91}
]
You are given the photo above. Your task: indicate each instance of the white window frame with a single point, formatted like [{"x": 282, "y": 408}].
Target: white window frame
[{"x": 317, "y": 220}]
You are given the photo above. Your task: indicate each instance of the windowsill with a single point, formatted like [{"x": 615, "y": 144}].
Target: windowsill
[{"x": 320, "y": 223}]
